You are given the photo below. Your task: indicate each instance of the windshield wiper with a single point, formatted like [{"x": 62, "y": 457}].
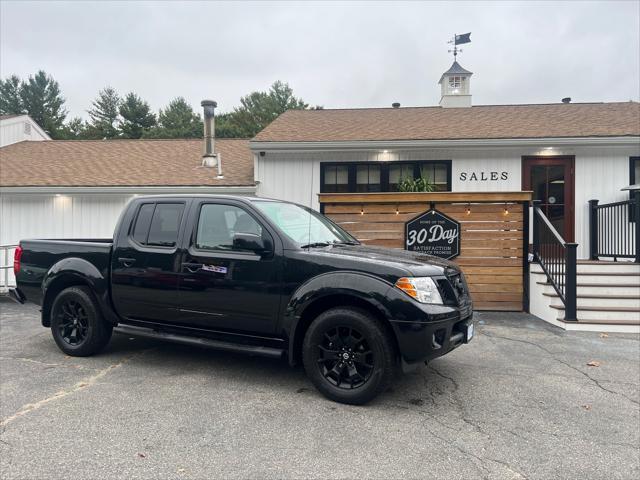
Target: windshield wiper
[
  {"x": 345, "y": 242},
  {"x": 315, "y": 244}
]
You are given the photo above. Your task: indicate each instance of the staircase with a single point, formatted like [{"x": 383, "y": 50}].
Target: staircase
[{"x": 608, "y": 297}]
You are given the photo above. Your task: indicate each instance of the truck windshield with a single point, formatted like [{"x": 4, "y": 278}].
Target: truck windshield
[{"x": 304, "y": 226}]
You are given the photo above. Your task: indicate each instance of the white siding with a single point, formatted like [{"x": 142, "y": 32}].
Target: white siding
[
  {"x": 19, "y": 129},
  {"x": 24, "y": 216},
  {"x": 66, "y": 216},
  {"x": 600, "y": 173}
]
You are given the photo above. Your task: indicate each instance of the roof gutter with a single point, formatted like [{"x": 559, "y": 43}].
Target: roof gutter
[
  {"x": 129, "y": 190},
  {"x": 465, "y": 143}
]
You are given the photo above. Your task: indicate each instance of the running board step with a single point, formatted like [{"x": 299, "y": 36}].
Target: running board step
[{"x": 199, "y": 342}]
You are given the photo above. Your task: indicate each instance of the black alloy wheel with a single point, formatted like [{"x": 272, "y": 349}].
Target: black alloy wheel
[
  {"x": 345, "y": 358},
  {"x": 73, "y": 322},
  {"x": 77, "y": 325},
  {"x": 349, "y": 355}
]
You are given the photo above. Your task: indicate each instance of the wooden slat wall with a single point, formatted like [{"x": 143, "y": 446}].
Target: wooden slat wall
[{"x": 491, "y": 248}]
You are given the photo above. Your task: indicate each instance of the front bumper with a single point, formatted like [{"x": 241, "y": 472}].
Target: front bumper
[{"x": 423, "y": 341}]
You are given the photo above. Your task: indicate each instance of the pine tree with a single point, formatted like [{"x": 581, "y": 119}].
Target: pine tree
[
  {"x": 42, "y": 100},
  {"x": 177, "y": 120},
  {"x": 105, "y": 114},
  {"x": 259, "y": 109},
  {"x": 75, "y": 129},
  {"x": 136, "y": 116},
  {"x": 10, "y": 99}
]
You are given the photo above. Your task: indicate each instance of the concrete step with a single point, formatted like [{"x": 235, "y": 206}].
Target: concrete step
[
  {"x": 626, "y": 315},
  {"x": 605, "y": 289},
  {"x": 599, "y": 300},
  {"x": 587, "y": 266},
  {"x": 589, "y": 277}
]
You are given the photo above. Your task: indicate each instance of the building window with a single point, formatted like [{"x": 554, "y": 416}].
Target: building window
[
  {"x": 27, "y": 128},
  {"x": 634, "y": 170},
  {"x": 398, "y": 173},
  {"x": 382, "y": 176},
  {"x": 455, "y": 82},
  {"x": 336, "y": 179},
  {"x": 368, "y": 178}
]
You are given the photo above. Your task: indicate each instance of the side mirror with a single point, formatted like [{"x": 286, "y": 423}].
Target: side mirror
[{"x": 249, "y": 241}]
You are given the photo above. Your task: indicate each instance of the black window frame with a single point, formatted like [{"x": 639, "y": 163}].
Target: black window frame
[
  {"x": 632, "y": 171},
  {"x": 384, "y": 172},
  {"x": 146, "y": 245}
]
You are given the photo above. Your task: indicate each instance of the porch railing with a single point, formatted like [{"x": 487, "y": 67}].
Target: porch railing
[
  {"x": 557, "y": 259},
  {"x": 614, "y": 229},
  {"x": 6, "y": 267}
]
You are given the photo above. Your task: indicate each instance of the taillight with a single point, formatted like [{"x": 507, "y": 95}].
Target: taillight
[{"x": 17, "y": 255}]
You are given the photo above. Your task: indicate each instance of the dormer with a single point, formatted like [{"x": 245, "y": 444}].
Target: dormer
[{"x": 455, "y": 87}]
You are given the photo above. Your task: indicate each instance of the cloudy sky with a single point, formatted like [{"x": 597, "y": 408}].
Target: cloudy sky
[{"x": 335, "y": 54}]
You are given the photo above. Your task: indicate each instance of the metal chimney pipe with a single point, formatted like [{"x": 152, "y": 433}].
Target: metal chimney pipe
[{"x": 209, "y": 127}]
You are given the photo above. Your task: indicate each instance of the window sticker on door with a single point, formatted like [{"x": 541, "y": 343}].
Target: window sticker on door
[{"x": 214, "y": 268}]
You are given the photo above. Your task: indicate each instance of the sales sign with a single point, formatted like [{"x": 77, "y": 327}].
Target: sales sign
[{"x": 433, "y": 233}]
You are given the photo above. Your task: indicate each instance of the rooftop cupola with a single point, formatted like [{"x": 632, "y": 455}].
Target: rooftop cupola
[{"x": 455, "y": 85}]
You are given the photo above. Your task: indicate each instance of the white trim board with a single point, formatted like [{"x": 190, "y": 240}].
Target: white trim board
[
  {"x": 119, "y": 190},
  {"x": 257, "y": 146}
]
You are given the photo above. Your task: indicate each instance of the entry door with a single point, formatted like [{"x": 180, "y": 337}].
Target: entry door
[
  {"x": 144, "y": 269},
  {"x": 552, "y": 181},
  {"x": 222, "y": 288}
]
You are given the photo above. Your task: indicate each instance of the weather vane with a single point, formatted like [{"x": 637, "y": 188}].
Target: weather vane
[{"x": 459, "y": 40}]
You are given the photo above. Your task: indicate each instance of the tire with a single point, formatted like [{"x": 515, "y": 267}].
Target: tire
[
  {"x": 77, "y": 325},
  {"x": 337, "y": 343}
]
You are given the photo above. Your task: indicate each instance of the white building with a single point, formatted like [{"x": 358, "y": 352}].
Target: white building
[
  {"x": 18, "y": 128},
  {"x": 567, "y": 153}
]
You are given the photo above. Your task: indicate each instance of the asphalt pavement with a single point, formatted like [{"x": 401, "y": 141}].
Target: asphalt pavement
[{"x": 520, "y": 401}]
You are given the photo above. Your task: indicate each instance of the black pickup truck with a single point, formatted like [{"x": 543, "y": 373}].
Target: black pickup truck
[{"x": 259, "y": 276}]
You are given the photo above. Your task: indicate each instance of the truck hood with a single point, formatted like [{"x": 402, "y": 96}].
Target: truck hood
[{"x": 414, "y": 263}]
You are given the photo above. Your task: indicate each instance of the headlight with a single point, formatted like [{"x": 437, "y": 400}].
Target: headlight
[{"x": 423, "y": 289}]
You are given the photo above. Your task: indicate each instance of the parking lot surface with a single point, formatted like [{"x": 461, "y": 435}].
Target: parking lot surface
[{"x": 520, "y": 401}]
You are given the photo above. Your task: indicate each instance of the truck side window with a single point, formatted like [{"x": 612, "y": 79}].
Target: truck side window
[
  {"x": 141, "y": 228},
  {"x": 165, "y": 224},
  {"x": 219, "y": 223}
]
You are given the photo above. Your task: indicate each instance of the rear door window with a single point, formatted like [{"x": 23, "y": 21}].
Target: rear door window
[
  {"x": 158, "y": 224},
  {"x": 141, "y": 228}
]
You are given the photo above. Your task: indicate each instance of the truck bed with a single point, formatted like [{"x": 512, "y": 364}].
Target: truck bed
[{"x": 40, "y": 255}]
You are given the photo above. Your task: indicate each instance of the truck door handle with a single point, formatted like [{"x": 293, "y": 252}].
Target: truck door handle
[
  {"x": 127, "y": 262},
  {"x": 192, "y": 267}
]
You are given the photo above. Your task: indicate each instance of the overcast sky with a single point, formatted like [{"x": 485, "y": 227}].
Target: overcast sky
[{"x": 335, "y": 54}]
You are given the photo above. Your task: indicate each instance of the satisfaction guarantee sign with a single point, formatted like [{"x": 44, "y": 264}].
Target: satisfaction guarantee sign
[{"x": 433, "y": 233}]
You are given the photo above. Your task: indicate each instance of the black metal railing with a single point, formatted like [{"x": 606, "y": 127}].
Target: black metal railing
[
  {"x": 614, "y": 229},
  {"x": 557, "y": 259}
]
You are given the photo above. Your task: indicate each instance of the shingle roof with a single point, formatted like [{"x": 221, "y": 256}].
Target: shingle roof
[
  {"x": 436, "y": 123},
  {"x": 123, "y": 163},
  {"x": 6, "y": 117}
]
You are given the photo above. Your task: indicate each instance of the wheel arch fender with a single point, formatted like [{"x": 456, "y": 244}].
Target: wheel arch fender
[
  {"x": 328, "y": 290},
  {"x": 73, "y": 271}
]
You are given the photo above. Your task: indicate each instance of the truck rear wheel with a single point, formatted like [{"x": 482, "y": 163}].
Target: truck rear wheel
[
  {"x": 349, "y": 355},
  {"x": 77, "y": 324}
]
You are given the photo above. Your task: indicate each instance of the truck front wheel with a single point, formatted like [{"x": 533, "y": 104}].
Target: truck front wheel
[
  {"x": 349, "y": 355},
  {"x": 77, "y": 324}
]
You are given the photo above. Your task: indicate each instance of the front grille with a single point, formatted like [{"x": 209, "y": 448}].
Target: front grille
[{"x": 454, "y": 289}]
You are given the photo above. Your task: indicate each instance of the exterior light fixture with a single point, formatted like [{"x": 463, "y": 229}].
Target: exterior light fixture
[
  {"x": 468, "y": 209},
  {"x": 361, "y": 209},
  {"x": 385, "y": 151},
  {"x": 397, "y": 211},
  {"x": 506, "y": 209}
]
